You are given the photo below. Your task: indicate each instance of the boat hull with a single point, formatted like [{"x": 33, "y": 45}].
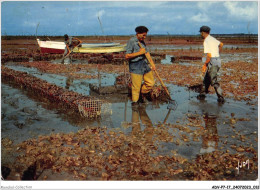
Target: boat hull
[
  {"x": 93, "y": 45},
  {"x": 100, "y": 50},
  {"x": 54, "y": 47},
  {"x": 51, "y": 46},
  {"x": 52, "y": 51}
]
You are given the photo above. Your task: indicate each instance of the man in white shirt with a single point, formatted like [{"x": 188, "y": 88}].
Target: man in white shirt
[{"x": 211, "y": 67}]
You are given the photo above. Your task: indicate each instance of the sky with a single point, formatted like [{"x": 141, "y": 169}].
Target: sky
[{"x": 87, "y": 18}]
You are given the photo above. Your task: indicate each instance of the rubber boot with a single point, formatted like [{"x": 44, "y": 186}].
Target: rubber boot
[
  {"x": 205, "y": 87},
  {"x": 202, "y": 94},
  {"x": 147, "y": 96},
  {"x": 219, "y": 94},
  {"x": 142, "y": 99}
]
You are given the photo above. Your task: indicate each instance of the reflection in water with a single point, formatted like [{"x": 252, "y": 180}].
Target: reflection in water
[
  {"x": 210, "y": 137},
  {"x": 69, "y": 82},
  {"x": 139, "y": 116}
]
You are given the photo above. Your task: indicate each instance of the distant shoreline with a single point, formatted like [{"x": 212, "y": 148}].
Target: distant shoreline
[
  {"x": 151, "y": 35},
  {"x": 151, "y": 39}
]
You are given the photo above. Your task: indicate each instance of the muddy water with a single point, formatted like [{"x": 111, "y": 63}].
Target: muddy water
[
  {"x": 27, "y": 117},
  {"x": 225, "y": 57},
  {"x": 238, "y": 57}
]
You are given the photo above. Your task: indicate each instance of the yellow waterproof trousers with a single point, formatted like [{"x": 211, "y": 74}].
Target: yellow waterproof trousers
[{"x": 137, "y": 86}]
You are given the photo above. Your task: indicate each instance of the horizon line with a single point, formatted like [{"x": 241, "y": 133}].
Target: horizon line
[{"x": 135, "y": 34}]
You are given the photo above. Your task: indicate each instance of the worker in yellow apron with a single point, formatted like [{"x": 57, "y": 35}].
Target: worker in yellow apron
[{"x": 138, "y": 66}]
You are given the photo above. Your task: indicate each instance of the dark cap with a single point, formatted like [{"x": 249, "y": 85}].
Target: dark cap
[
  {"x": 141, "y": 29},
  {"x": 66, "y": 36},
  {"x": 205, "y": 29}
]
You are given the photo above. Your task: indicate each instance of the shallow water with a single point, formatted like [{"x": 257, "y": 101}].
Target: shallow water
[
  {"x": 28, "y": 117},
  {"x": 80, "y": 86}
]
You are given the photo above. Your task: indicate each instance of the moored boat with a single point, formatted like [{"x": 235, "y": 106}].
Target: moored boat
[
  {"x": 51, "y": 46},
  {"x": 90, "y": 45},
  {"x": 111, "y": 49},
  {"x": 59, "y": 47}
]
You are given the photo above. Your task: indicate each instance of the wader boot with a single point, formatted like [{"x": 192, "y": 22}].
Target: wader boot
[
  {"x": 142, "y": 99},
  {"x": 146, "y": 97},
  {"x": 219, "y": 94},
  {"x": 205, "y": 87},
  {"x": 202, "y": 94}
]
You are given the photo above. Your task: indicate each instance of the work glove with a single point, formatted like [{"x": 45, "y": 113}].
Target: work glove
[{"x": 204, "y": 68}]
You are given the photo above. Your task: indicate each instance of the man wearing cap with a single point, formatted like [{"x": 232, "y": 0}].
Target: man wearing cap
[
  {"x": 138, "y": 66},
  {"x": 70, "y": 43},
  {"x": 211, "y": 66}
]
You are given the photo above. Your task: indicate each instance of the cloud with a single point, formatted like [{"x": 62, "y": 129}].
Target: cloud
[
  {"x": 80, "y": 23},
  {"x": 100, "y": 13},
  {"x": 121, "y": 17},
  {"x": 164, "y": 19},
  {"x": 205, "y": 6},
  {"x": 29, "y": 24},
  {"x": 200, "y": 17},
  {"x": 128, "y": 4},
  {"x": 242, "y": 10},
  {"x": 133, "y": 14}
]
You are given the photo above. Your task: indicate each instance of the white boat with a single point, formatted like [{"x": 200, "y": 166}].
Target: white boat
[
  {"x": 51, "y": 46},
  {"x": 89, "y": 45},
  {"x": 59, "y": 47}
]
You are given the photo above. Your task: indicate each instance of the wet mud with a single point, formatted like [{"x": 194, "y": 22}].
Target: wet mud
[{"x": 200, "y": 140}]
